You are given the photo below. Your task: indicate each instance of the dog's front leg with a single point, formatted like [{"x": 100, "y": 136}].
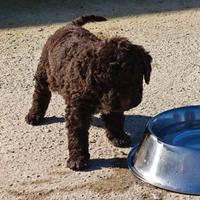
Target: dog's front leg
[
  {"x": 114, "y": 125},
  {"x": 78, "y": 123}
]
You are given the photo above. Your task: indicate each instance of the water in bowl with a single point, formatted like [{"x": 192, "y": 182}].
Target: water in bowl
[{"x": 186, "y": 134}]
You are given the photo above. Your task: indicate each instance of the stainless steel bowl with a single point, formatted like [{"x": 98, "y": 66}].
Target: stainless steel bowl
[{"x": 169, "y": 155}]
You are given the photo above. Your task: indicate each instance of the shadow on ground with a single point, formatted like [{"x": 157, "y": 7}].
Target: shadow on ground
[
  {"x": 97, "y": 164},
  {"x": 14, "y": 13},
  {"x": 134, "y": 125},
  {"x": 53, "y": 120}
]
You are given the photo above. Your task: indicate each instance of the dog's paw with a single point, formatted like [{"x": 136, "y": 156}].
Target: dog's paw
[
  {"x": 33, "y": 119},
  {"x": 77, "y": 164},
  {"x": 121, "y": 142}
]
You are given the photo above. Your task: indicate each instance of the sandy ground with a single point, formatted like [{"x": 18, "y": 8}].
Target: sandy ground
[{"x": 32, "y": 159}]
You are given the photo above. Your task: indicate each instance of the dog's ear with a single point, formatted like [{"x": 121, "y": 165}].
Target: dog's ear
[{"x": 147, "y": 68}]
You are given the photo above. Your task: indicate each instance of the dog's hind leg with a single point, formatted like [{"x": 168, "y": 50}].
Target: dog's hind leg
[
  {"x": 114, "y": 125},
  {"x": 41, "y": 96}
]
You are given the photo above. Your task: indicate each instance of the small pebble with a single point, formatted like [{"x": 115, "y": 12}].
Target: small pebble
[{"x": 41, "y": 29}]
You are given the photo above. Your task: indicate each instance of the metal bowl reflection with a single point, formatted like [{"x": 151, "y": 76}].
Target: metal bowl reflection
[{"x": 169, "y": 155}]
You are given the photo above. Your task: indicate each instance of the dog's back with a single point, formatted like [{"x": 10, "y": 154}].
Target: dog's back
[
  {"x": 73, "y": 32},
  {"x": 66, "y": 50}
]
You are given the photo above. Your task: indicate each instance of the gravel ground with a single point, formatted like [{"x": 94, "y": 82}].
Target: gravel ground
[{"x": 32, "y": 159}]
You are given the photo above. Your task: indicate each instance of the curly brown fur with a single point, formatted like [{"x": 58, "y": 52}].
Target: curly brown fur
[{"x": 93, "y": 76}]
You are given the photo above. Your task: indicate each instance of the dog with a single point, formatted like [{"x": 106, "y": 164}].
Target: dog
[{"x": 93, "y": 76}]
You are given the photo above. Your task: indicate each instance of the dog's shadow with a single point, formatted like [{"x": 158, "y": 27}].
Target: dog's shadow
[
  {"x": 53, "y": 120},
  {"x": 97, "y": 164},
  {"x": 134, "y": 126}
]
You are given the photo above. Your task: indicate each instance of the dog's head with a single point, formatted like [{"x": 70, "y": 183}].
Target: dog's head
[{"x": 121, "y": 68}]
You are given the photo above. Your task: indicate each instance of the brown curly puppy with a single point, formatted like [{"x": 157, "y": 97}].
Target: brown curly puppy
[{"x": 93, "y": 76}]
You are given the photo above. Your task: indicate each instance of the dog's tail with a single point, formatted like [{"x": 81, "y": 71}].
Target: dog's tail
[{"x": 80, "y": 21}]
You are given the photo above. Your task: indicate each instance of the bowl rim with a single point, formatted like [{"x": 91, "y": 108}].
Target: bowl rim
[{"x": 149, "y": 127}]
